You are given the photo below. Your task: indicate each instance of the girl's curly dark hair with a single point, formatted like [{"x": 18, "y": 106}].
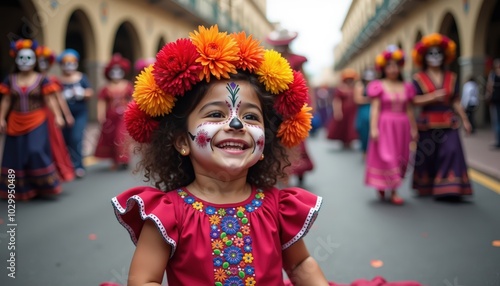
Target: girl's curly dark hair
[{"x": 163, "y": 164}]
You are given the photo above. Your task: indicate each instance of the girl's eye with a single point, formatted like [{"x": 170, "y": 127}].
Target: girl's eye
[
  {"x": 251, "y": 117},
  {"x": 215, "y": 115}
]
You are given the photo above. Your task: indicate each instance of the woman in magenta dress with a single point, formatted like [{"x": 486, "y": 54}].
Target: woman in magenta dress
[
  {"x": 392, "y": 126},
  {"x": 113, "y": 100},
  {"x": 214, "y": 147},
  {"x": 342, "y": 125},
  {"x": 440, "y": 167},
  {"x": 62, "y": 159}
]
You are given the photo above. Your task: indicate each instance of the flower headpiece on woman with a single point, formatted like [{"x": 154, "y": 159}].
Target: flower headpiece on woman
[
  {"x": 391, "y": 53},
  {"x": 68, "y": 54},
  {"x": 117, "y": 61},
  {"x": 45, "y": 52},
  {"x": 447, "y": 45},
  {"x": 22, "y": 44},
  {"x": 208, "y": 54}
]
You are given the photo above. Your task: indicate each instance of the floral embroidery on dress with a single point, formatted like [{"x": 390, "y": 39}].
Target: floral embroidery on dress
[{"x": 230, "y": 240}]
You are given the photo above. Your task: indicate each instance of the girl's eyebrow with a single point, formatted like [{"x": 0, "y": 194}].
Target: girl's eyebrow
[
  {"x": 220, "y": 104},
  {"x": 251, "y": 105}
]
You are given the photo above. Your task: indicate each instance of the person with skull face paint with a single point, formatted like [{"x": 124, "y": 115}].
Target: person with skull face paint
[
  {"x": 281, "y": 39},
  {"x": 62, "y": 159},
  {"x": 113, "y": 100},
  {"x": 392, "y": 125},
  {"x": 440, "y": 167},
  {"x": 26, "y": 94},
  {"x": 76, "y": 90},
  {"x": 215, "y": 116}
]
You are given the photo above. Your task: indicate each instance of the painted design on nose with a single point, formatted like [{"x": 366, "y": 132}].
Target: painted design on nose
[
  {"x": 233, "y": 89},
  {"x": 236, "y": 123}
]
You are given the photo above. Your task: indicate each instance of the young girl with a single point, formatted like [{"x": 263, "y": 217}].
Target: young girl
[
  {"x": 215, "y": 114},
  {"x": 392, "y": 125}
]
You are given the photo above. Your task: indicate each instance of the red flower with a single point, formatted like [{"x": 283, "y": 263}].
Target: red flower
[
  {"x": 176, "y": 69},
  {"x": 291, "y": 101},
  {"x": 139, "y": 125}
]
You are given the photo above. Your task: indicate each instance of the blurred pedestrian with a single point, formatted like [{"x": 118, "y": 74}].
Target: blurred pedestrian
[
  {"x": 493, "y": 98},
  {"x": 113, "y": 100},
  {"x": 281, "y": 39},
  {"x": 344, "y": 110},
  {"x": 27, "y": 160},
  {"x": 363, "y": 102},
  {"x": 141, "y": 64},
  {"x": 470, "y": 100},
  {"x": 46, "y": 57},
  {"x": 392, "y": 125},
  {"x": 440, "y": 167},
  {"x": 76, "y": 90}
]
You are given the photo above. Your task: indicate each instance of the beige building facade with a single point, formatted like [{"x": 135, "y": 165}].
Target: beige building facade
[
  {"x": 371, "y": 25},
  {"x": 135, "y": 28}
]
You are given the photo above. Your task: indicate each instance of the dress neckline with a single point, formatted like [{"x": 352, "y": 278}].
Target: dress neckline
[{"x": 246, "y": 201}]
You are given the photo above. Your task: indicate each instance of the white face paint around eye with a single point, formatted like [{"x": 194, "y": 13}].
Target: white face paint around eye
[
  {"x": 25, "y": 59},
  {"x": 69, "y": 66},
  {"x": 116, "y": 73},
  {"x": 434, "y": 57},
  {"x": 230, "y": 146}
]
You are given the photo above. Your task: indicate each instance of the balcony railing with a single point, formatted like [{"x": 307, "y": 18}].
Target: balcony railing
[
  {"x": 373, "y": 27},
  {"x": 204, "y": 12}
]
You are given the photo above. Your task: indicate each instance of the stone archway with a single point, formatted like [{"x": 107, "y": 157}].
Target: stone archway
[
  {"x": 19, "y": 20},
  {"x": 80, "y": 37},
  {"x": 449, "y": 28},
  {"x": 127, "y": 43},
  {"x": 161, "y": 43}
]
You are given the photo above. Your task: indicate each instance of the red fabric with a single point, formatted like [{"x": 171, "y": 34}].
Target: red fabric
[
  {"x": 296, "y": 61},
  {"x": 113, "y": 140},
  {"x": 377, "y": 281},
  {"x": 60, "y": 153},
  {"x": 303, "y": 162},
  {"x": 344, "y": 130},
  {"x": 19, "y": 123},
  {"x": 283, "y": 217}
]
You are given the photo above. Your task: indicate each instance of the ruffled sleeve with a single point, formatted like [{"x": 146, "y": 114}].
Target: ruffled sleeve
[
  {"x": 133, "y": 207},
  {"x": 49, "y": 87},
  {"x": 410, "y": 91},
  {"x": 103, "y": 94},
  {"x": 374, "y": 89},
  {"x": 298, "y": 209}
]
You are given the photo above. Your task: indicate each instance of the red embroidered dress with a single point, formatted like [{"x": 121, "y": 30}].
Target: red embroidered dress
[{"x": 221, "y": 244}]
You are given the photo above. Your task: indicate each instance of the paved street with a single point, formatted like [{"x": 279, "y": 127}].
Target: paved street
[{"x": 76, "y": 240}]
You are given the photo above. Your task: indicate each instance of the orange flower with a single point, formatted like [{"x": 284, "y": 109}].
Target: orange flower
[
  {"x": 295, "y": 129},
  {"x": 149, "y": 97},
  {"x": 214, "y": 219},
  {"x": 218, "y": 52},
  {"x": 251, "y": 52},
  {"x": 217, "y": 244},
  {"x": 245, "y": 229},
  {"x": 220, "y": 275},
  {"x": 248, "y": 257},
  {"x": 241, "y": 209}
]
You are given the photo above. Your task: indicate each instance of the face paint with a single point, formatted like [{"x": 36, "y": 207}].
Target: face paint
[
  {"x": 116, "y": 73},
  {"x": 434, "y": 57},
  {"x": 43, "y": 64},
  {"x": 234, "y": 148},
  {"x": 69, "y": 63},
  {"x": 25, "y": 59}
]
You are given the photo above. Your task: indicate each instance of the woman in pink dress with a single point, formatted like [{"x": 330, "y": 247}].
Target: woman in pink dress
[
  {"x": 342, "y": 126},
  {"x": 113, "y": 100},
  {"x": 392, "y": 125}
]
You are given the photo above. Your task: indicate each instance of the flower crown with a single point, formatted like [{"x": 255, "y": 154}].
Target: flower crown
[
  {"x": 448, "y": 45},
  {"x": 395, "y": 54},
  {"x": 22, "y": 44},
  {"x": 117, "y": 60},
  {"x": 208, "y": 53},
  {"x": 45, "y": 52}
]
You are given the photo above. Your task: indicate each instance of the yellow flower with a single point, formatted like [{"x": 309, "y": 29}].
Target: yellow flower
[
  {"x": 218, "y": 52},
  {"x": 397, "y": 55},
  {"x": 248, "y": 257},
  {"x": 380, "y": 60},
  {"x": 149, "y": 97},
  {"x": 197, "y": 205},
  {"x": 275, "y": 72},
  {"x": 250, "y": 281},
  {"x": 294, "y": 130},
  {"x": 241, "y": 209},
  {"x": 182, "y": 194},
  {"x": 214, "y": 219}
]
